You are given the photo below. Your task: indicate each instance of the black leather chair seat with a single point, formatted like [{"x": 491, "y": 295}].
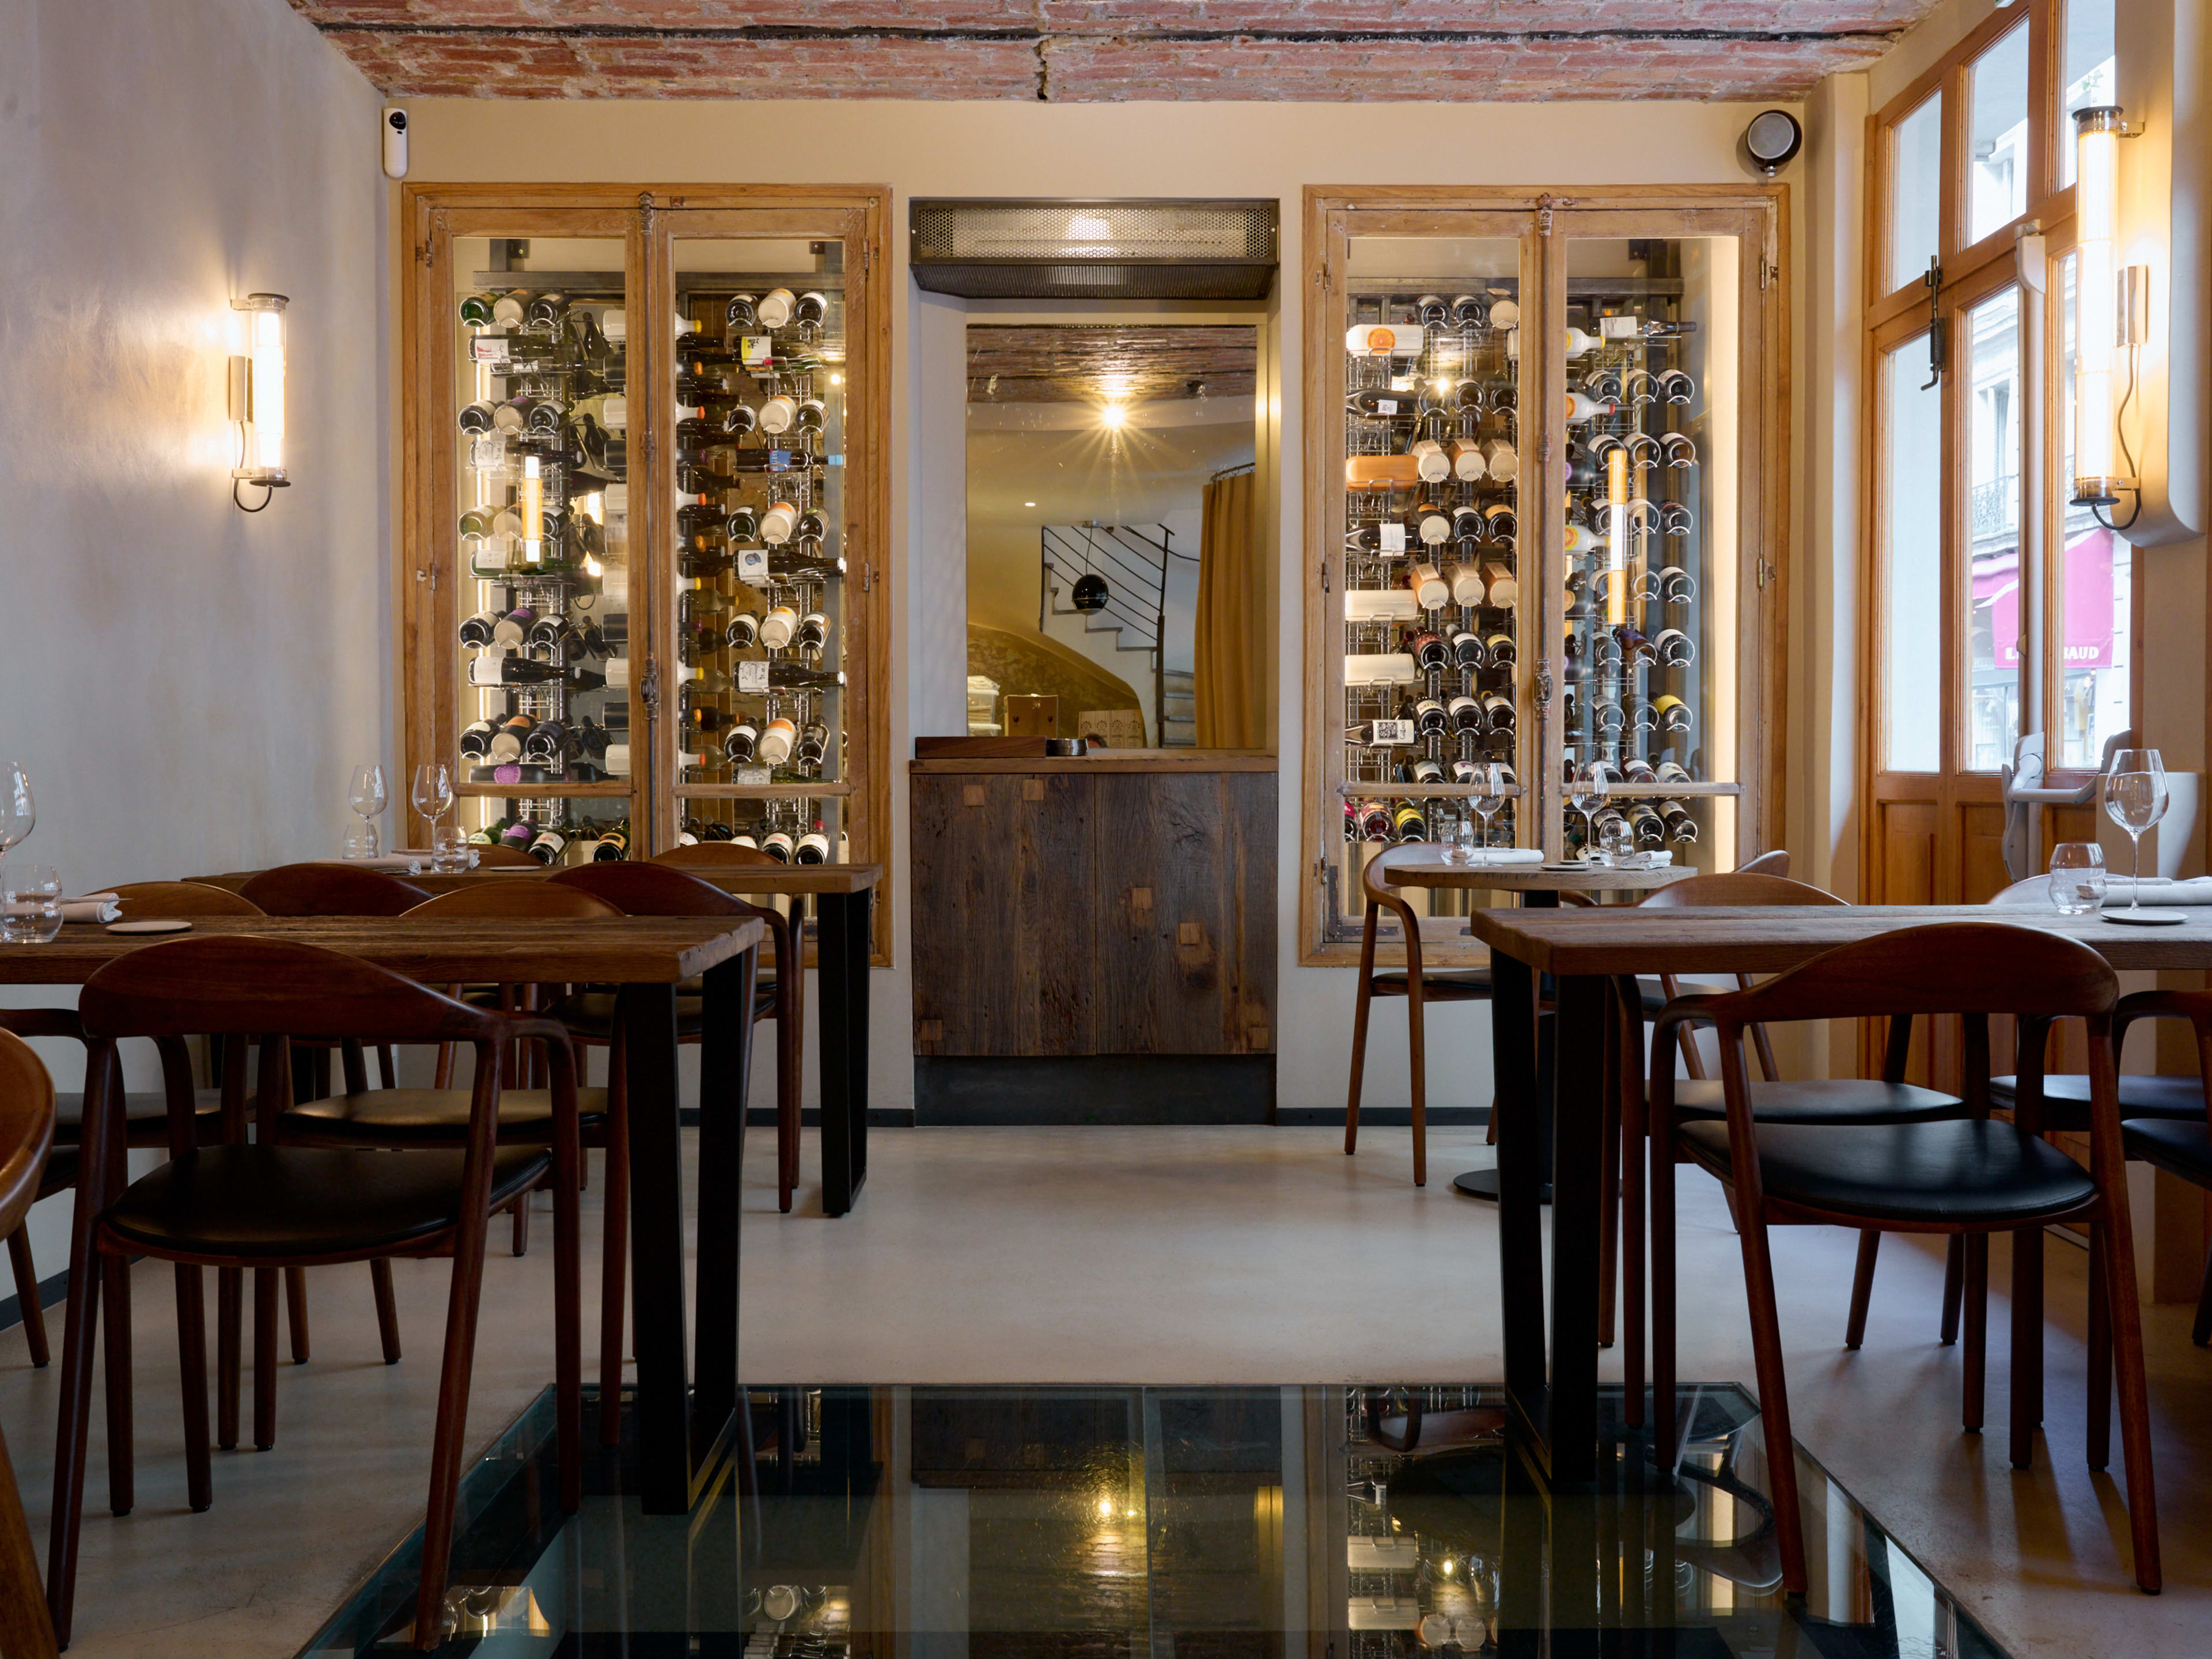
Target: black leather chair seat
[
  {"x": 2066, "y": 1097},
  {"x": 1823, "y": 1100},
  {"x": 2179, "y": 1148},
  {"x": 1460, "y": 984},
  {"x": 1959, "y": 1170},
  {"x": 143, "y": 1113},
  {"x": 435, "y": 1117},
  {"x": 591, "y": 1014},
  {"x": 306, "y": 1201}
]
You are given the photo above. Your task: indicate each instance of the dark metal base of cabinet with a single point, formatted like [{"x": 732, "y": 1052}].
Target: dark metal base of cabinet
[{"x": 1103, "y": 1088}]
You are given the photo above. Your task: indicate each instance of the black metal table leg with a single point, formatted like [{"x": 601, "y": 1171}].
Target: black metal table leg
[
  {"x": 1579, "y": 1150},
  {"x": 648, "y": 1014},
  {"x": 843, "y": 982},
  {"x": 1520, "y": 1219},
  {"x": 1483, "y": 1183},
  {"x": 725, "y": 1068}
]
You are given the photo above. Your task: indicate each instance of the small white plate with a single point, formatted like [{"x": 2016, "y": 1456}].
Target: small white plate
[
  {"x": 152, "y": 925},
  {"x": 2149, "y": 916},
  {"x": 1573, "y": 867}
]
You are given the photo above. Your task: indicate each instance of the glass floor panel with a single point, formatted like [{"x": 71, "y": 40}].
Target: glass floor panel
[{"x": 1296, "y": 1522}]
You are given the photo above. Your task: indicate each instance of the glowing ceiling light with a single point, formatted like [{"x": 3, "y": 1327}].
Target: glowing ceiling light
[{"x": 1112, "y": 416}]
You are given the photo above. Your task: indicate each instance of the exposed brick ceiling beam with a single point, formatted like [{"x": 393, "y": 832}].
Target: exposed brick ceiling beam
[{"x": 1108, "y": 50}]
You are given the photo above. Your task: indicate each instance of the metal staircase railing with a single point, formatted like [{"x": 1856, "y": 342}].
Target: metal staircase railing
[{"x": 1133, "y": 561}]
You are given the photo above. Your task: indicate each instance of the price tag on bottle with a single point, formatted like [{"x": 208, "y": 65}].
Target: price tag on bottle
[
  {"x": 756, "y": 350},
  {"x": 752, "y": 677},
  {"x": 1387, "y": 732},
  {"x": 489, "y": 348},
  {"x": 1394, "y": 538},
  {"x": 779, "y": 460},
  {"x": 752, "y": 564},
  {"x": 755, "y": 775},
  {"x": 1386, "y": 405}
]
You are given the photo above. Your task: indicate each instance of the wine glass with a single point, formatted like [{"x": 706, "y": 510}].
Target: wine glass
[
  {"x": 369, "y": 797},
  {"x": 1491, "y": 795},
  {"x": 432, "y": 793},
  {"x": 1586, "y": 793},
  {"x": 18, "y": 812},
  {"x": 2135, "y": 799}
]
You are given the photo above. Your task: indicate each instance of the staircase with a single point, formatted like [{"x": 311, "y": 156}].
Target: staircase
[
  {"x": 1133, "y": 561},
  {"x": 1178, "y": 710}
]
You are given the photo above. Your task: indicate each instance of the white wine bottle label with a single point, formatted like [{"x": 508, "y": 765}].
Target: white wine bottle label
[
  {"x": 1436, "y": 527},
  {"x": 617, "y": 673},
  {"x": 1380, "y": 605},
  {"x": 1431, "y": 463},
  {"x": 775, "y": 307},
  {"x": 1393, "y": 537},
  {"x": 777, "y": 627},
  {"x": 778, "y": 523},
  {"x": 1429, "y": 590},
  {"x": 752, "y": 678},
  {"x": 1467, "y": 586},
  {"x": 1383, "y": 339},
  {"x": 1390, "y": 733},
  {"x": 778, "y": 414},
  {"x": 1383, "y": 668}
]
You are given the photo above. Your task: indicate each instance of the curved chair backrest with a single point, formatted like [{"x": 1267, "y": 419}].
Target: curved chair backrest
[
  {"x": 180, "y": 898},
  {"x": 1775, "y": 862},
  {"x": 1404, "y": 852},
  {"x": 1738, "y": 887},
  {"x": 712, "y": 855},
  {"x": 268, "y": 987},
  {"x": 651, "y": 890},
  {"x": 495, "y": 857},
  {"x": 2035, "y": 891},
  {"x": 1948, "y": 967},
  {"x": 27, "y": 1127},
  {"x": 536, "y": 901},
  {"x": 331, "y": 890}
]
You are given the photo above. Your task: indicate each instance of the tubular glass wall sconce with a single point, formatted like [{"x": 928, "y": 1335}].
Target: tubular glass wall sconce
[
  {"x": 2114, "y": 308},
  {"x": 257, "y": 396}
]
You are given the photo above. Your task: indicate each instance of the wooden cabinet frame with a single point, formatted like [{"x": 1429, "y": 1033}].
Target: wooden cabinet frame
[
  {"x": 649, "y": 217},
  {"x": 1756, "y": 216}
]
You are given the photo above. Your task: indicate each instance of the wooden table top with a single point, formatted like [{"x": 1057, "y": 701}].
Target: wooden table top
[
  {"x": 1746, "y": 939},
  {"x": 619, "y": 949},
  {"x": 1533, "y": 878},
  {"x": 729, "y": 878}
]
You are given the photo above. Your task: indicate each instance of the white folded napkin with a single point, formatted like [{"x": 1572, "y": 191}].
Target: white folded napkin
[
  {"x": 92, "y": 906},
  {"x": 396, "y": 864},
  {"x": 2158, "y": 889},
  {"x": 1498, "y": 857}
]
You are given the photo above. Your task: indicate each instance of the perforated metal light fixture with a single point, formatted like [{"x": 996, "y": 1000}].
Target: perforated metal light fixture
[{"x": 1094, "y": 250}]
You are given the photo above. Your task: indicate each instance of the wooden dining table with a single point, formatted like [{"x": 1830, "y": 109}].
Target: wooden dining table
[
  {"x": 844, "y": 898},
  {"x": 1552, "y": 1390},
  {"x": 681, "y": 1429}
]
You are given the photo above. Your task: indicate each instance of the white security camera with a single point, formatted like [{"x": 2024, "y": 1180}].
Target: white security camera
[{"x": 395, "y": 143}]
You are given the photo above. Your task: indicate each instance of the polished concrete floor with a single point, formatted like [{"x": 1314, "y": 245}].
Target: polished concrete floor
[{"x": 1140, "y": 1255}]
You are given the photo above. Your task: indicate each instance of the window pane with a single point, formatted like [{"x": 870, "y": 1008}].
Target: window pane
[
  {"x": 2092, "y": 72},
  {"x": 1997, "y": 187},
  {"x": 2094, "y": 578},
  {"x": 1916, "y": 193},
  {"x": 1913, "y": 592},
  {"x": 1993, "y": 564}
]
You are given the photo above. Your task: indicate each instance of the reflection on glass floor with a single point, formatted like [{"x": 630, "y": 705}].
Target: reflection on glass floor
[{"x": 1300, "y": 1522}]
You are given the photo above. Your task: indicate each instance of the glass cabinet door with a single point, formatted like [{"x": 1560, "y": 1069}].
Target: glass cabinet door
[
  {"x": 1429, "y": 706},
  {"x": 542, "y": 726},
  {"x": 758, "y": 690},
  {"x": 1651, "y": 539}
]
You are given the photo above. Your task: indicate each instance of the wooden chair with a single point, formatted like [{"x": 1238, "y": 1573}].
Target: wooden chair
[
  {"x": 1418, "y": 986},
  {"x": 439, "y": 1117},
  {"x": 330, "y": 890},
  {"x": 265, "y": 1206},
  {"x": 655, "y": 889},
  {"x": 26, "y": 1134},
  {"x": 1972, "y": 1177},
  {"x": 1889, "y": 1099}
]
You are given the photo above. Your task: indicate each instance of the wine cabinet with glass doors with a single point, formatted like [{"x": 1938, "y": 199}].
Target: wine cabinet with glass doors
[
  {"x": 647, "y": 524},
  {"x": 1545, "y": 511}
]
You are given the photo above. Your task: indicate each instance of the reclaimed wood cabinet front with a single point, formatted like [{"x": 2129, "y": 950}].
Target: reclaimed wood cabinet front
[{"x": 1093, "y": 912}]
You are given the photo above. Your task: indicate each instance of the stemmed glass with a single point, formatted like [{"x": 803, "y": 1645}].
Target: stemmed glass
[
  {"x": 2135, "y": 799},
  {"x": 1490, "y": 794},
  {"x": 432, "y": 793},
  {"x": 369, "y": 797},
  {"x": 1586, "y": 793},
  {"x": 18, "y": 812}
]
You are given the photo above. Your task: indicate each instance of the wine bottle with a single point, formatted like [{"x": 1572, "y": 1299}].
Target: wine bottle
[
  {"x": 1674, "y": 714},
  {"x": 813, "y": 745},
  {"x": 1582, "y": 407},
  {"x": 1421, "y": 771},
  {"x": 780, "y": 414},
  {"x": 744, "y": 631},
  {"x": 1466, "y": 457},
  {"x": 1381, "y": 472},
  {"x": 475, "y": 739},
  {"x": 1380, "y": 406},
  {"x": 1433, "y": 522},
  {"x": 778, "y": 523},
  {"x": 1634, "y": 647},
  {"x": 777, "y": 740},
  {"x": 741, "y": 741},
  {"x": 1409, "y": 821},
  {"x": 1505, "y": 592},
  {"x": 507, "y": 738},
  {"x": 1430, "y": 717},
  {"x": 1374, "y": 820},
  {"x": 548, "y": 844},
  {"x": 773, "y": 308},
  {"x": 780, "y": 846},
  {"x": 476, "y": 630},
  {"x": 519, "y": 835},
  {"x": 1500, "y": 457},
  {"x": 1677, "y": 586},
  {"x": 786, "y": 673},
  {"x": 1466, "y": 713},
  {"x": 1431, "y": 591},
  {"x": 1679, "y": 825},
  {"x": 1467, "y": 648},
  {"x": 1497, "y": 711},
  {"x": 1676, "y": 648},
  {"x": 614, "y": 844},
  {"x": 1672, "y": 772},
  {"x": 1470, "y": 310},
  {"x": 813, "y": 847},
  {"x": 1646, "y": 825},
  {"x": 476, "y": 310},
  {"x": 547, "y": 742},
  {"x": 1431, "y": 463},
  {"x": 778, "y": 626},
  {"x": 1466, "y": 584},
  {"x": 498, "y": 669},
  {"x": 1499, "y": 648}
]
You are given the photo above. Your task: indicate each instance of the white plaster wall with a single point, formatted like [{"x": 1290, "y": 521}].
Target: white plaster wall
[
  {"x": 1132, "y": 149},
  {"x": 187, "y": 684}
]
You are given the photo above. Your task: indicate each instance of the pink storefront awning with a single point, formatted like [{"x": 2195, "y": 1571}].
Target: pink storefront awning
[{"x": 2088, "y": 603}]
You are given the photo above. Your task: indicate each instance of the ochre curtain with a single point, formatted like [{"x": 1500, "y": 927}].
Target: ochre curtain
[{"x": 1231, "y": 656}]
